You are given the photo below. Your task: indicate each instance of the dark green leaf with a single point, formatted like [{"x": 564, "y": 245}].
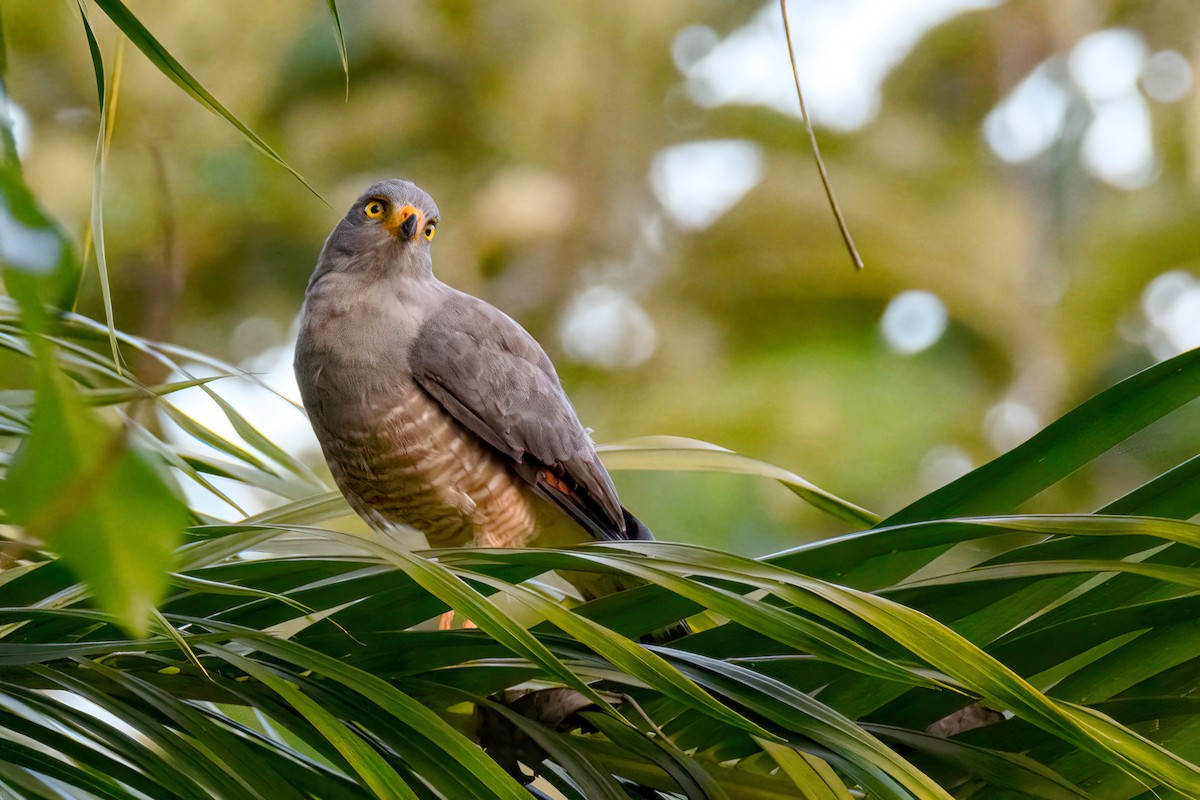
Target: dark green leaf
[{"x": 1065, "y": 445}]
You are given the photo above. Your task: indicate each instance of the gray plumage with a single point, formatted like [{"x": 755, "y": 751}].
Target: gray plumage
[{"x": 433, "y": 408}]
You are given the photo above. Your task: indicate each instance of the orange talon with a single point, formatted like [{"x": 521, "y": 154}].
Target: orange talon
[{"x": 446, "y": 622}]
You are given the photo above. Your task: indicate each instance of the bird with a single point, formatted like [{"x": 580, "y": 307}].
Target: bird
[{"x": 436, "y": 410}]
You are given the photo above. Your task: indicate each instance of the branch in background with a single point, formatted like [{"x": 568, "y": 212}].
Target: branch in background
[{"x": 812, "y": 137}]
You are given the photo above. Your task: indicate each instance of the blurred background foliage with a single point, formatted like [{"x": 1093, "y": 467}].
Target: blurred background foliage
[{"x": 630, "y": 181}]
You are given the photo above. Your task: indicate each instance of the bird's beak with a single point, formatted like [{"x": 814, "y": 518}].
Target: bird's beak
[{"x": 405, "y": 222}]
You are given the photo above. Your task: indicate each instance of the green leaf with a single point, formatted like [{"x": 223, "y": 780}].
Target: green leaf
[
  {"x": 107, "y": 95},
  {"x": 1027, "y": 569},
  {"x": 1135, "y": 661},
  {"x": 1004, "y": 770},
  {"x": 1065, "y": 445},
  {"x": 184, "y": 754},
  {"x": 211, "y": 438},
  {"x": 686, "y": 774},
  {"x": 376, "y": 773},
  {"x": 957, "y": 657},
  {"x": 812, "y": 776},
  {"x": 448, "y": 588},
  {"x": 869, "y": 759},
  {"x": 31, "y": 243},
  {"x": 380, "y": 694},
  {"x": 574, "y": 759},
  {"x": 1174, "y": 494},
  {"x": 85, "y": 745},
  {"x": 735, "y": 780},
  {"x": 28, "y": 758},
  {"x": 341, "y": 42},
  {"x": 691, "y": 455},
  {"x": 133, "y": 28},
  {"x": 76, "y": 484},
  {"x": 779, "y": 624},
  {"x": 626, "y": 655},
  {"x": 255, "y": 439},
  {"x": 117, "y": 395}
]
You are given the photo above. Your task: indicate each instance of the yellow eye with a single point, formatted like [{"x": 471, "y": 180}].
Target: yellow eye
[
  {"x": 428, "y": 232},
  {"x": 374, "y": 209}
]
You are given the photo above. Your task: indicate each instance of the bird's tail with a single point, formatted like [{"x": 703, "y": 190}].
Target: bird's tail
[
  {"x": 594, "y": 585},
  {"x": 669, "y": 633},
  {"x": 634, "y": 529}
]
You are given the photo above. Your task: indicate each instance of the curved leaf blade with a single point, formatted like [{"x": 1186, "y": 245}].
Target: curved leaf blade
[
  {"x": 141, "y": 37},
  {"x": 676, "y": 453},
  {"x": 1065, "y": 445}
]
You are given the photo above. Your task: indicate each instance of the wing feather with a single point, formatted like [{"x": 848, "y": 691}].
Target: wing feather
[{"x": 489, "y": 374}]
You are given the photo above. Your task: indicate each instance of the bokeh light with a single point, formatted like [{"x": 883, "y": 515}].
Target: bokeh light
[{"x": 913, "y": 321}]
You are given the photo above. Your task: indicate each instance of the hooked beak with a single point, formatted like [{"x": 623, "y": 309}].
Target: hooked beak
[{"x": 410, "y": 221}]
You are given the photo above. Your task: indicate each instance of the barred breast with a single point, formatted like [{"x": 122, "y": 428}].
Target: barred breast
[{"x": 413, "y": 464}]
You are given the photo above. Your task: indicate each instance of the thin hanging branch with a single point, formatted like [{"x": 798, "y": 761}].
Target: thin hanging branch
[{"x": 812, "y": 137}]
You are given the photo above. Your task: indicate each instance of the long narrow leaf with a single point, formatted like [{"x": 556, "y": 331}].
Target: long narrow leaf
[
  {"x": 341, "y": 42},
  {"x": 373, "y": 768},
  {"x": 107, "y": 94},
  {"x": 133, "y": 28},
  {"x": 956, "y": 656},
  {"x": 383, "y": 695},
  {"x": 691, "y": 455},
  {"x": 1078, "y": 437},
  {"x": 814, "y": 778}
]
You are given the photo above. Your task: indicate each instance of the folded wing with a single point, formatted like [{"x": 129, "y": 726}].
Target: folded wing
[{"x": 489, "y": 374}]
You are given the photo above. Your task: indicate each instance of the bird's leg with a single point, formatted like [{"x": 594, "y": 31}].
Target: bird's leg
[{"x": 446, "y": 621}]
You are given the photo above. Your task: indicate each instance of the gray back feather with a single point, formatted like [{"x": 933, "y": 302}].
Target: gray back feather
[{"x": 495, "y": 379}]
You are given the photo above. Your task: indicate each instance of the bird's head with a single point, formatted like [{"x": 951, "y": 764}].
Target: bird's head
[{"x": 388, "y": 228}]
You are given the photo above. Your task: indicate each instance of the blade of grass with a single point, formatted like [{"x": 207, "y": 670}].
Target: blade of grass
[
  {"x": 107, "y": 96},
  {"x": 261, "y": 443},
  {"x": 137, "y": 33},
  {"x": 341, "y": 42}
]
